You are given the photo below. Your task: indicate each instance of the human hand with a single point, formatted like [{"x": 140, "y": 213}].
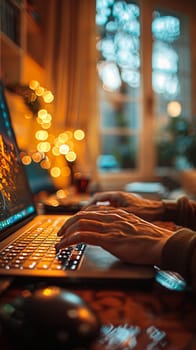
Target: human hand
[
  {"x": 147, "y": 209},
  {"x": 125, "y": 235}
]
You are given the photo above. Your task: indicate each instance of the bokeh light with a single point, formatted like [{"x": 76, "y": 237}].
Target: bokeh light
[{"x": 174, "y": 109}]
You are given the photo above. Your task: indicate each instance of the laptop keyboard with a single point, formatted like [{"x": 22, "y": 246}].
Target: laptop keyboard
[{"x": 35, "y": 249}]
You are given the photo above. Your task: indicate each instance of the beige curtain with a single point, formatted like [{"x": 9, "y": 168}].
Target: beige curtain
[
  {"x": 71, "y": 63},
  {"x": 72, "y": 60}
]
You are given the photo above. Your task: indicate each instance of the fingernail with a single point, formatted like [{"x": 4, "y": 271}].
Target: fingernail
[{"x": 59, "y": 233}]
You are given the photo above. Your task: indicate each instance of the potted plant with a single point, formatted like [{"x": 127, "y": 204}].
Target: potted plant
[
  {"x": 175, "y": 144},
  {"x": 191, "y": 148},
  {"x": 177, "y": 149}
]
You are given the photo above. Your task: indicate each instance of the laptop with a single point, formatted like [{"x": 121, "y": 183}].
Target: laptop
[{"x": 27, "y": 238}]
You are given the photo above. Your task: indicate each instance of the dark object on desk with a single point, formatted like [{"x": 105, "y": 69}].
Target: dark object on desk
[
  {"x": 49, "y": 318},
  {"x": 81, "y": 182},
  {"x": 65, "y": 202},
  {"x": 54, "y": 205}
]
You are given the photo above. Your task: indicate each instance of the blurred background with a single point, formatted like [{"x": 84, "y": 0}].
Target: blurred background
[{"x": 104, "y": 89}]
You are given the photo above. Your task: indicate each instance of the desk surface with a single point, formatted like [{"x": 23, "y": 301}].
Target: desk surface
[
  {"x": 134, "y": 318},
  {"x": 138, "y": 317}
]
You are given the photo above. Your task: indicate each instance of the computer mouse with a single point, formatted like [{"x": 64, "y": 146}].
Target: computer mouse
[{"x": 49, "y": 318}]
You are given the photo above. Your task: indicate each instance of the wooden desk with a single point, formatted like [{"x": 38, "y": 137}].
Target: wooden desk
[
  {"x": 132, "y": 318},
  {"x": 138, "y": 315}
]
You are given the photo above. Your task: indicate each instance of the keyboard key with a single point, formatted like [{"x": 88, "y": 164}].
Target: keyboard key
[{"x": 35, "y": 249}]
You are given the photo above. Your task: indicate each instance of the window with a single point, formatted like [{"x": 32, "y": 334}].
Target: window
[{"x": 144, "y": 80}]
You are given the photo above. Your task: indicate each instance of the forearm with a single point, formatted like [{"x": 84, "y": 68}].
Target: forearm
[{"x": 179, "y": 255}]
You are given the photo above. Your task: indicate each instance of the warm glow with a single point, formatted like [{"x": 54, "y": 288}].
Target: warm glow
[
  {"x": 70, "y": 144},
  {"x": 48, "y": 96},
  {"x": 69, "y": 134},
  {"x": 36, "y": 157},
  {"x": 28, "y": 116},
  {"x": 47, "y": 292},
  {"x": 47, "y": 118},
  {"x": 42, "y": 114},
  {"x": 39, "y": 120},
  {"x": 61, "y": 193},
  {"x": 45, "y": 164},
  {"x": 55, "y": 171},
  {"x": 65, "y": 171},
  {"x": 174, "y": 108},
  {"x": 83, "y": 313},
  {"x": 64, "y": 149},
  {"x": 55, "y": 151},
  {"x": 26, "y": 160},
  {"x": 44, "y": 119},
  {"x": 41, "y": 135},
  {"x": 39, "y": 91},
  {"x": 63, "y": 137},
  {"x": 71, "y": 156},
  {"x": 79, "y": 134},
  {"x": 43, "y": 146},
  {"x": 46, "y": 125},
  {"x": 51, "y": 138},
  {"x": 51, "y": 149},
  {"x": 34, "y": 84}
]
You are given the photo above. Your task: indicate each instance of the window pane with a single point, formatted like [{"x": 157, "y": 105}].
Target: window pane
[
  {"x": 118, "y": 66},
  {"x": 119, "y": 114},
  {"x": 123, "y": 96},
  {"x": 171, "y": 85},
  {"x": 118, "y": 152}
]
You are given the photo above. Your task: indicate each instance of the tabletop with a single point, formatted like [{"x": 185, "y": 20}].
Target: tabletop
[
  {"x": 148, "y": 317},
  {"x": 135, "y": 318}
]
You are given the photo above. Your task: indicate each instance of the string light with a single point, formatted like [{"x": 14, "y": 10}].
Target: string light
[
  {"x": 37, "y": 157},
  {"x": 39, "y": 91},
  {"x": 34, "y": 84},
  {"x": 41, "y": 135},
  {"x": 48, "y": 146},
  {"x": 48, "y": 96},
  {"x": 43, "y": 147},
  {"x": 26, "y": 160},
  {"x": 71, "y": 156},
  {"x": 55, "y": 171},
  {"x": 45, "y": 164},
  {"x": 64, "y": 149},
  {"x": 79, "y": 134}
]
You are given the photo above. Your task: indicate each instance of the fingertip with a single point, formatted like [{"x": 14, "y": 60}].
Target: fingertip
[
  {"x": 60, "y": 232},
  {"x": 57, "y": 247}
]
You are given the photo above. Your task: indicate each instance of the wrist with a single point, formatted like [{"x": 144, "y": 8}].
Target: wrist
[{"x": 169, "y": 210}]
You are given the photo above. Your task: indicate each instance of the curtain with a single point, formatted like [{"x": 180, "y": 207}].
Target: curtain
[
  {"x": 71, "y": 66},
  {"x": 72, "y": 60}
]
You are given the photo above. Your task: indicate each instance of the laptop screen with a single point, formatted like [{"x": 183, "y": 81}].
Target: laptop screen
[{"x": 16, "y": 201}]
